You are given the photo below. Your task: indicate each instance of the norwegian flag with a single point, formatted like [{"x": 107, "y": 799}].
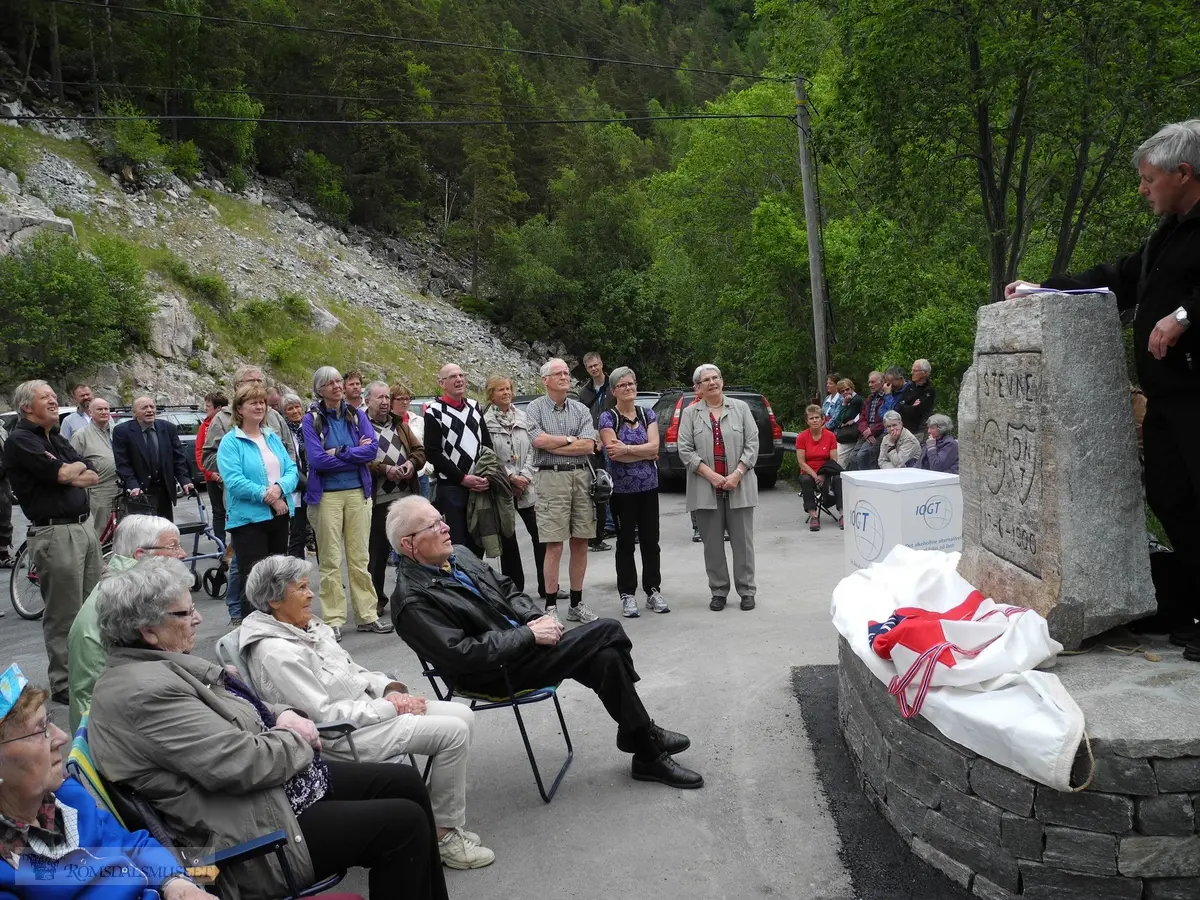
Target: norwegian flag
[{"x": 925, "y": 645}]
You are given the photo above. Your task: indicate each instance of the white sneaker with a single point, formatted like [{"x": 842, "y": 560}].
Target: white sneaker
[
  {"x": 656, "y": 602},
  {"x": 629, "y": 607},
  {"x": 552, "y": 612},
  {"x": 459, "y": 852},
  {"x": 581, "y": 613}
]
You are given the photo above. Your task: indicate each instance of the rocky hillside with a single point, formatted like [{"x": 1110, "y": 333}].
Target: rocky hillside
[{"x": 384, "y": 305}]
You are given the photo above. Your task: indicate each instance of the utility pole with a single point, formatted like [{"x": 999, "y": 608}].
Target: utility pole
[{"x": 812, "y": 224}]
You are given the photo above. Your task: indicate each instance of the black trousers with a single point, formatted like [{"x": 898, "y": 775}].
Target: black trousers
[
  {"x": 6, "y": 529},
  {"x": 255, "y": 542},
  {"x": 1170, "y": 437},
  {"x": 451, "y": 501},
  {"x": 597, "y": 655},
  {"x": 636, "y": 515},
  {"x": 378, "y": 550},
  {"x": 155, "y": 500},
  {"x": 216, "y": 499},
  {"x": 601, "y": 508},
  {"x": 510, "y": 553},
  {"x": 376, "y": 815},
  {"x": 298, "y": 532},
  {"x": 833, "y": 477}
]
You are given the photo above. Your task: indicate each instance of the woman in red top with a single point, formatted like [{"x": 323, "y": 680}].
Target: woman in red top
[{"x": 816, "y": 454}]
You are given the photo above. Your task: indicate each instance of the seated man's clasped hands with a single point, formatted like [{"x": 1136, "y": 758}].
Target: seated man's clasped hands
[
  {"x": 468, "y": 620},
  {"x": 294, "y": 659},
  {"x": 222, "y": 766}
]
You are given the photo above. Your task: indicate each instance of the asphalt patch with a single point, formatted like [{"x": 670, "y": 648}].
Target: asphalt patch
[{"x": 880, "y": 865}]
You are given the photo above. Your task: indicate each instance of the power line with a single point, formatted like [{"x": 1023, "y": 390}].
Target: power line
[
  {"x": 432, "y": 42},
  {"x": 396, "y": 123}
]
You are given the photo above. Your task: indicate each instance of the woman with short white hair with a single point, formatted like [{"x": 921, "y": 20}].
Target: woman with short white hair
[
  {"x": 939, "y": 453},
  {"x": 294, "y": 660},
  {"x": 898, "y": 448}
]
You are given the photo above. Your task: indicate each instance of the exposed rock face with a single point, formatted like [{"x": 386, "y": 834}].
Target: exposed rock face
[
  {"x": 1053, "y": 516},
  {"x": 22, "y": 216}
]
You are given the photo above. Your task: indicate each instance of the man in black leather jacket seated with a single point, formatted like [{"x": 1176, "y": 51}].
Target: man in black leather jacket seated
[{"x": 467, "y": 620}]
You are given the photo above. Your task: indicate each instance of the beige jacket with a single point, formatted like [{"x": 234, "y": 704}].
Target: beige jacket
[
  {"x": 162, "y": 724},
  {"x": 899, "y": 454},
  {"x": 739, "y": 431}
]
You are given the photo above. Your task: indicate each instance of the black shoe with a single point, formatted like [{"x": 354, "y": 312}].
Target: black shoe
[
  {"x": 716, "y": 604},
  {"x": 1192, "y": 651},
  {"x": 727, "y": 537},
  {"x": 610, "y": 532},
  {"x": 63, "y": 697},
  {"x": 1188, "y": 634},
  {"x": 598, "y": 546},
  {"x": 695, "y": 535},
  {"x": 668, "y": 741},
  {"x": 7, "y": 560},
  {"x": 747, "y": 603},
  {"x": 665, "y": 770}
]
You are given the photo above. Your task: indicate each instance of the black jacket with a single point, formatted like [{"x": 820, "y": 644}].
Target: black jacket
[
  {"x": 1159, "y": 277},
  {"x": 133, "y": 467},
  {"x": 450, "y": 626},
  {"x": 32, "y": 459},
  {"x": 915, "y": 417},
  {"x": 588, "y": 395}
]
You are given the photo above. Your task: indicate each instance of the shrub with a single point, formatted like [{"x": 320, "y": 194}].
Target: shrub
[
  {"x": 322, "y": 183},
  {"x": 230, "y": 142},
  {"x": 135, "y": 141},
  {"x": 207, "y": 286},
  {"x": 62, "y": 310},
  {"x": 184, "y": 159},
  {"x": 296, "y": 307},
  {"x": 236, "y": 179},
  {"x": 210, "y": 287},
  {"x": 279, "y": 350}
]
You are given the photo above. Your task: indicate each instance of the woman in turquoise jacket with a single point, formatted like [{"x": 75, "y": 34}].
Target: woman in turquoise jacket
[{"x": 260, "y": 479}]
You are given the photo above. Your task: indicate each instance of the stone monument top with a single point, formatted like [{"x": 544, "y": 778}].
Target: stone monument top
[{"x": 1052, "y": 499}]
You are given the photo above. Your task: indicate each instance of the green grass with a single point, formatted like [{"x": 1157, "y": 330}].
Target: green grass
[
  {"x": 19, "y": 148},
  {"x": 253, "y": 221}
]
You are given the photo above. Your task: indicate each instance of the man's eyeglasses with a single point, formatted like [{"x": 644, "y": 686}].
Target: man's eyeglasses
[
  {"x": 441, "y": 520},
  {"x": 44, "y": 732},
  {"x": 188, "y": 613}
]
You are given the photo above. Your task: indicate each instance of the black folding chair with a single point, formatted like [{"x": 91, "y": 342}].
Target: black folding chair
[{"x": 514, "y": 700}]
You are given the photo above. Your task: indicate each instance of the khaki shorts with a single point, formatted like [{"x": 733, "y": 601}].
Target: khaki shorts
[{"x": 564, "y": 507}]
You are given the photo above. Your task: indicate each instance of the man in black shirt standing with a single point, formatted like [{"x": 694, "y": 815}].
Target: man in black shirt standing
[{"x": 51, "y": 481}]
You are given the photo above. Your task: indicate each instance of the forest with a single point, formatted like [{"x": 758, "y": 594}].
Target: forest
[{"x": 568, "y": 151}]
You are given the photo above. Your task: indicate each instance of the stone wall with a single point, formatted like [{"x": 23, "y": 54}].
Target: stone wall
[{"x": 1131, "y": 836}]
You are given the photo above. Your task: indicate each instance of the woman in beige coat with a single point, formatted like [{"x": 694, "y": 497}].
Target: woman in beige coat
[
  {"x": 223, "y": 767},
  {"x": 718, "y": 442}
]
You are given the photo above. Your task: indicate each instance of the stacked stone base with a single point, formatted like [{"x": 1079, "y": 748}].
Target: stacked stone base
[{"x": 1131, "y": 836}]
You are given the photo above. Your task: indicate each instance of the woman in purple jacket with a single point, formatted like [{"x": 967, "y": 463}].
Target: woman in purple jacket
[
  {"x": 339, "y": 442},
  {"x": 940, "y": 450}
]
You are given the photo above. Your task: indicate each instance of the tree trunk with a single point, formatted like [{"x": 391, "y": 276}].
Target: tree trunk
[{"x": 55, "y": 54}]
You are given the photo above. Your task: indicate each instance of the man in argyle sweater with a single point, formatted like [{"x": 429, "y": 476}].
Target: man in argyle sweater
[{"x": 454, "y": 435}]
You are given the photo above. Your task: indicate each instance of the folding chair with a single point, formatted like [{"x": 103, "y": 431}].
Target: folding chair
[
  {"x": 135, "y": 812},
  {"x": 515, "y": 700}
]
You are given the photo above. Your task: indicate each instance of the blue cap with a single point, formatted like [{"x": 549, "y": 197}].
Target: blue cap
[{"x": 12, "y": 682}]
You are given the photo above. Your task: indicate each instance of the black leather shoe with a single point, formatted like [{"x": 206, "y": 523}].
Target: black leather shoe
[
  {"x": 717, "y": 604},
  {"x": 668, "y": 741},
  {"x": 1192, "y": 651},
  {"x": 1188, "y": 634},
  {"x": 747, "y": 603},
  {"x": 665, "y": 770}
]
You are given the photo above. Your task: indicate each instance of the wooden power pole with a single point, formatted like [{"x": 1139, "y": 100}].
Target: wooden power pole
[{"x": 812, "y": 223}]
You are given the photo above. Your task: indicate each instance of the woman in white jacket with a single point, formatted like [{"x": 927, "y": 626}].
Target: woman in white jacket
[{"x": 294, "y": 658}]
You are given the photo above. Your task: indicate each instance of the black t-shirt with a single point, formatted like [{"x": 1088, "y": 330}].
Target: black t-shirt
[{"x": 31, "y": 461}]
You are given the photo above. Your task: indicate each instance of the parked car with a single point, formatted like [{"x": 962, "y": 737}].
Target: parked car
[
  {"x": 670, "y": 407},
  {"x": 185, "y": 418}
]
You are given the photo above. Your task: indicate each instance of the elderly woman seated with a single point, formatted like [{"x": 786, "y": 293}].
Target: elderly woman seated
[
  {"x": 940, "y": 452},
  {"x": 222, "y": 766},
  {"x": 294, "y": 658},
  {"x": 54, "y": 840},
  {"x": 899, "y": 448}
]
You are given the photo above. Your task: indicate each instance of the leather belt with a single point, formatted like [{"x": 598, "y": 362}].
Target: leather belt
[
  {"x": 66, "y": 520},
  {"x": 562, "y": 467}
]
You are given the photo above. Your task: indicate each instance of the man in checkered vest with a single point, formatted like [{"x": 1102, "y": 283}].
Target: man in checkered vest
[{"x": 454, "y": 435}]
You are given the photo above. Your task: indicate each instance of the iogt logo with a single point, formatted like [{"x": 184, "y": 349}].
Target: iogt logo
[{"x": 937, "y": 511}]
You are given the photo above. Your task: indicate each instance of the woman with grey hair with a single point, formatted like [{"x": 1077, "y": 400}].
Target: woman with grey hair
[
  {"x": 295, "y": 660},
  {"x": 940, "y": 450},
  {"x": 340, "y": 443},
  {"x": 223, "y": 766},
  {"x": 630, "y": 437},
  {"x": 898, "y": 448},
  {"x": 718, "y": 442}
]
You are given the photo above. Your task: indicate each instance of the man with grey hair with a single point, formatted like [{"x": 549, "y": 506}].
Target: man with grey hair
[
  {"x": 136, "y": 537},
  {"x": 51, "y": 482},
  {"x": 150, "y": 459},
  {"x": 564, "y": 439},
  {"x": 1160, "y": 283},
  {"x": 916, "y": 402},
  {"x": 865, "y": 454},
  {"x": 94, "y": 442}
]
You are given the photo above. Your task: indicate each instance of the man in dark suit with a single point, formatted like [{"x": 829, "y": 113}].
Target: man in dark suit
[{"x": 150, "y": 459}]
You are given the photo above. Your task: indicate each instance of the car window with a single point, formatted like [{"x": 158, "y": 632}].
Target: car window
[{"x": 188, "y": 422}]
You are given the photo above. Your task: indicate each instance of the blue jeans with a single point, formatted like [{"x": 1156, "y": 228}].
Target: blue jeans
[
  {"x": 233, "y": 596},
  {"x": 423, "y": 481}
]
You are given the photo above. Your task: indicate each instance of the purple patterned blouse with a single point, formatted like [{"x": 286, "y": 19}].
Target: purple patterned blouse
[{"x": 640, "y": 475}]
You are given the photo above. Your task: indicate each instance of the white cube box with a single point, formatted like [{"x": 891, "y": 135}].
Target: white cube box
[{"x": 886, "y": 507}]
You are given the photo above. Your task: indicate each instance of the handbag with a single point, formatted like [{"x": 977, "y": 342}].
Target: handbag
[
  {"x": 847, "y": 434},
  {"x": 602, "y": 485}
]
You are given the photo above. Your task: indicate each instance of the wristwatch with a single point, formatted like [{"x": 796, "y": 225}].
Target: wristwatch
[{"x": 1181, "y": 316}]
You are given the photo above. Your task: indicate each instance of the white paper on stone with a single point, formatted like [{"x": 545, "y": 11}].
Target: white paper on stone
[{"x": 1009, "y": 713}]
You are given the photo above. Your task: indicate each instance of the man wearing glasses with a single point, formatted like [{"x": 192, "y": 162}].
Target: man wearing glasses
[{"x": 136, "y": 538}]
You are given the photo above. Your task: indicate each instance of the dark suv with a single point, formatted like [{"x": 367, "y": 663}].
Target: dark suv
[{"x": 674, "y": 401}]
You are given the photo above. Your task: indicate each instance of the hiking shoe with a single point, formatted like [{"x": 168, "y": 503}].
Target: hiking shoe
[
  {"x": 552, "y": 612},
  {"x": 581, "y": 613},
  {"x": 695, "y": 535},
  {"x": 458, "y": 852},
  {"x": 629, "y": 607},
  {"x": 235, "y": 622},
  {"x": 337, "y": 633},
  {"x": 656, "y": 602},
  {"x": 379, "y": 626},
  {"x": 7, "y": 560},
  {"x": 599, "y": 546},
  {"x": 814, "y": 522},
  {"x": 717, "y": 604}
]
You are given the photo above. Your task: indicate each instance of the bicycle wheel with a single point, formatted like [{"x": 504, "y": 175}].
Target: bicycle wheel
[{"x": 23, "y": 587}]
